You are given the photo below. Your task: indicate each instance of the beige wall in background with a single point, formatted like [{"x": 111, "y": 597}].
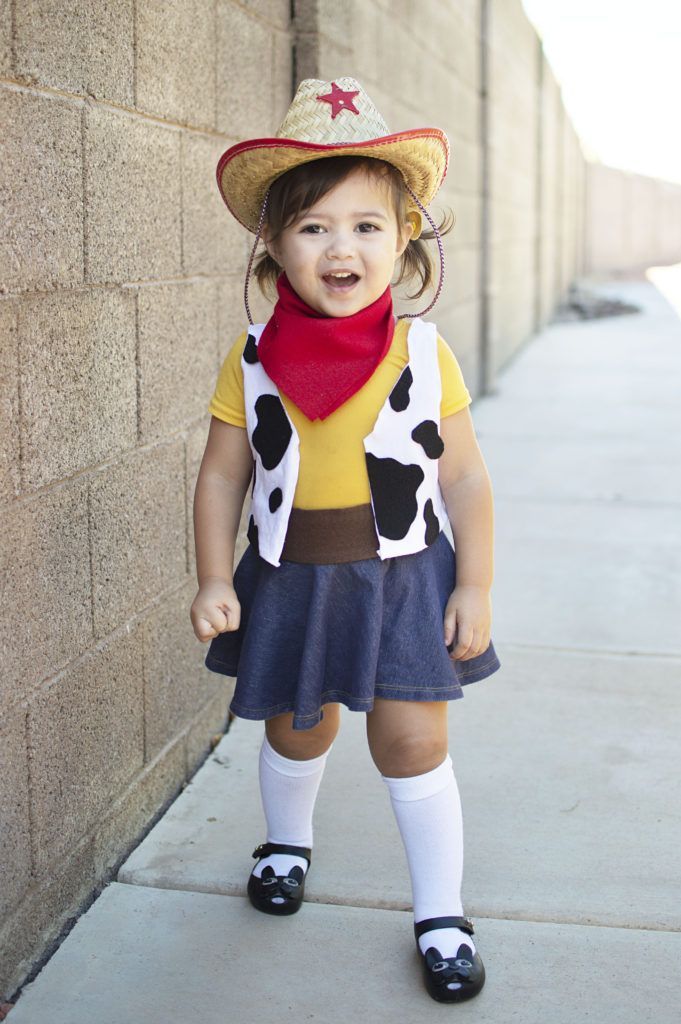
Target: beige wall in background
[
  {"x": 121, "y": 278},
  {"x": 633, "y": 221}
]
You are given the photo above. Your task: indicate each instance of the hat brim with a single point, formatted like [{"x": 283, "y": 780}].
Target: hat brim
[{"x": 245, "y": 171}]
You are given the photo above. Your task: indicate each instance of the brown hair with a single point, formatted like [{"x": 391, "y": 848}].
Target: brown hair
[{"x": 300, "y": 188}]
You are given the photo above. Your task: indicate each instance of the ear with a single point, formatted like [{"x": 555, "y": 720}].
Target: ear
[
  {"x": 270, "y": 247},
  {"x": 404, "y": 237}
]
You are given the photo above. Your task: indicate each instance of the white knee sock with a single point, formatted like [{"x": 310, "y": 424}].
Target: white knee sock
[
  {"x": 288, "y": 790},
  {"x": 428, "y": 812}
]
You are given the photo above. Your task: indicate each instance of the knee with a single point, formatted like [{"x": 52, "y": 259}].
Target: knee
[
  {"x": 409, "y": 754},
  {"x": 303, "y": 744}
]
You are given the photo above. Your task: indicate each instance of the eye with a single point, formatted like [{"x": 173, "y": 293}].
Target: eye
[
  {"x": 311, "y": 229},
  {"x": 371, "y": 227}
]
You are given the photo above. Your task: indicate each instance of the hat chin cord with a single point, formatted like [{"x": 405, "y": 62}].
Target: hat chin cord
[
  {"x": 252, "y": 256},
  {"x": 412, "y": 316},
  {"x": 402, "y": 316}
]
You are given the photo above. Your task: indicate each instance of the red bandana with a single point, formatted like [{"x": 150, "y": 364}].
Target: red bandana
[{"x": 320, "y": 361}]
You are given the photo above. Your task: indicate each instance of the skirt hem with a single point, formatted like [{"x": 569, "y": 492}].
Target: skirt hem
[{"x": 359, "y": 704}]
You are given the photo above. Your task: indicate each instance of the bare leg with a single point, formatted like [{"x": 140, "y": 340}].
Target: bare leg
[
  {"x": 407, "y": 737},
  {"x": 302, "y": 744}
]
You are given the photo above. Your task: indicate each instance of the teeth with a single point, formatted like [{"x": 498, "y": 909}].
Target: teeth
[{"x": 340, "y": 273}]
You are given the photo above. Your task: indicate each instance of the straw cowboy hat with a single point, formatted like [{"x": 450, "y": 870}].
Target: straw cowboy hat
[{"x": 329, "y": 119}]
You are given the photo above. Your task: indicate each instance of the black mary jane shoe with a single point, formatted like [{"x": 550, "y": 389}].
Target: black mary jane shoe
[
  {"x": 452, "y": 979},
  {"x": 278, "y": 894}
]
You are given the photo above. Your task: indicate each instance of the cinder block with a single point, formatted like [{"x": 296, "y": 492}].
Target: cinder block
[
  {"x": 81, "y": 48},
  {"x": 31, "y": 931},
  {"x": 129, "y": 818},
  {"x": 281, "y": 75},
  {"x": 235, "y": 315},
  {"x": 465, "y": 165},
  {"x": 78, "y": 380},
  {"x": 6, "y": 67},
  {"x": 211, "y": 721},
  {"x": 334, "y": 20},
  {"x": 9, "y": 400},
  {"x": 41, "y": 192},
  {"x": 307, "y": 55},
  {"x": 177, "y": 344},
  {"x": 176, "y": 60},
  {"x": 132, "y": 174},
  {"x": 457, "y": 109},
  {"x": 176, "y": 683},
  {"x": 195, "y": 445},
  {"x": 244, "y": 73},
  {"x": 86, "y": 742},
  {"x": 466, "y": 231},
  {"x": 366, "y": 32},
  {"x": 460, "y": 327},
  {"x": 138, "y": 531},
  {"x": 15, "y": 841},
  {"x": 212, "y": 239},
  {"x": 45, "y": 568},
  {"x": 277, "y": 12},
  {"x": 454, "y": 38},
  {"x": 464, "y": 275}
]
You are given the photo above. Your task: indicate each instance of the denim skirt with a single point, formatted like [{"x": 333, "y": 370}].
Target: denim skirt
[{"x": 312, "y": 634}]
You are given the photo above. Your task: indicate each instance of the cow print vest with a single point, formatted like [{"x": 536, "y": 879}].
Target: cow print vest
[{"x": 402, "y": 453}]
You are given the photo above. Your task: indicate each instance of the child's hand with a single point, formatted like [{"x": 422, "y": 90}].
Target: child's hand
[
  {"x": 215, "y": 609},
  {"x": 468, "y": 615}
]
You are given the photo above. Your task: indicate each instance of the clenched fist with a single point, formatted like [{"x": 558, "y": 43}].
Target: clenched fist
[{"x": 215, "y": 609}]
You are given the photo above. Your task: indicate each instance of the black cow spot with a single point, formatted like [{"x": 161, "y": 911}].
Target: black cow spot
[
  {"x": 253, "y": 478},
  {"x": 251, "y": 350},
  {"x": 273, "y": 433},
  {"x": 399, "y": 396},
  {"x": 276, "y": 498},
  {"x": 252, "y": 533},
  {"x": 432, "y": 523},
  {"x": 393, "y": 492},
  {"x": 427, "y": 436}
]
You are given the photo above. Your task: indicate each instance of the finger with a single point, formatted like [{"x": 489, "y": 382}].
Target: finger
[
  {"x": 463, "y": 643},
  {"x": 449, "y": 627},
  {"x": 232, "y": 618},
  {"x": 474, "y": 648},
  {"x": 205, "y": 630}
]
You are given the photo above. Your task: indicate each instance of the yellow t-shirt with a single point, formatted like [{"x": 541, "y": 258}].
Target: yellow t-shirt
[{"x": 333, "y": 471}]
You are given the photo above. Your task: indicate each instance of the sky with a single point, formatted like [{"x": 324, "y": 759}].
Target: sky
[{"x": 618, "y": 63}]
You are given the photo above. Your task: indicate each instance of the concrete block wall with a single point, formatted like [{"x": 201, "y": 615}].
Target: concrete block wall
[
  {"x": 121, "y": 276},
  {"x": 120, "y": 294},
  {"x": 632, "y": 221}
]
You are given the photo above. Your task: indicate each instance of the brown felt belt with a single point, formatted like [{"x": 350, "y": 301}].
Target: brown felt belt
[{"x": 330, "y": 535}]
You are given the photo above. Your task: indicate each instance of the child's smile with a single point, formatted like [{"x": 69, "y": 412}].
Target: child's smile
[{"x": 339, "y": 256}]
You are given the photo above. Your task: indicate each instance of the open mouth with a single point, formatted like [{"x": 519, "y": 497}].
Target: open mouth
[{"x": 340, "y": 282}]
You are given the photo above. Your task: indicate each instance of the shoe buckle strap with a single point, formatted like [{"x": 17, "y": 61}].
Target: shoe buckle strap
[
  {"x": 433, "y": 923},
  {"x": 266, "y": 849}
]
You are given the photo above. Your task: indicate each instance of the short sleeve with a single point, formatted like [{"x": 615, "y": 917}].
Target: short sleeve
[
  {"x": 455, "y": 394},
  {"x": 227, "y": 402}
]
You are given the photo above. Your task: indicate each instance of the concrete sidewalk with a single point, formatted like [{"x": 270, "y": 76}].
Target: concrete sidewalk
[{"x": 567, "y": 759}]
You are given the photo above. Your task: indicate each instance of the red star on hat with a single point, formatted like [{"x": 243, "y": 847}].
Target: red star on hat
[{"x": 340, "y": 100}]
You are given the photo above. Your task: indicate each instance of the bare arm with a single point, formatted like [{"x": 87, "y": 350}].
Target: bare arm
[
  {"x": 467, "y": 492},
  {"x": 221, "y": 487}
]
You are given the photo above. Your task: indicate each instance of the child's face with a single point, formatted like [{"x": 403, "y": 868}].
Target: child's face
[{"x": 352, "y": 228}]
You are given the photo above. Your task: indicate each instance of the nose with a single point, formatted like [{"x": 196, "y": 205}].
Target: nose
[{"x": 340, "y": 245}]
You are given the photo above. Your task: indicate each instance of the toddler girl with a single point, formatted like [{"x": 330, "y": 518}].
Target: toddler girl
[{"x": 354, "y": 427}]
